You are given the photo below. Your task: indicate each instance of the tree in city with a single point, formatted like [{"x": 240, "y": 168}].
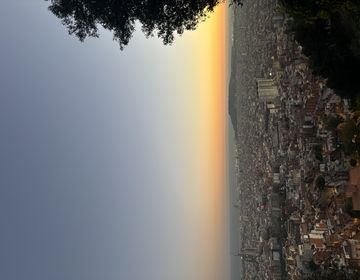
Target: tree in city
[
  {"x": 318, "y": 153},
  {"x": 161, "y": 18},
  {"x": 350, "y": 136},
  {"x": 355, "y": 104},
  {"x": 331, "y": 122},
  {"x": 320, "y": 183}
]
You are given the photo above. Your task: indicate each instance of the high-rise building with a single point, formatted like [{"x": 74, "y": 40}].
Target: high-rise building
[{"x": 267, "y": 89}]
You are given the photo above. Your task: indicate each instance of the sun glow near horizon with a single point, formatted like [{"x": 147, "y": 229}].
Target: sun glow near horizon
[
  {"x": 205, "y": 58},
  {"x": 195, "y": 78}
]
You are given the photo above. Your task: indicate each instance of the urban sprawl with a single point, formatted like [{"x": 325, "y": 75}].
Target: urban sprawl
[{"x": 298, "y": 171}]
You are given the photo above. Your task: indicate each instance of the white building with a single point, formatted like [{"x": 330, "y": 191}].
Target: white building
[{"x": 267, "y": 89}]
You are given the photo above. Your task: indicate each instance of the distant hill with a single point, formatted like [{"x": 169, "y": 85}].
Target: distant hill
[{"x": 232, "y": 102}]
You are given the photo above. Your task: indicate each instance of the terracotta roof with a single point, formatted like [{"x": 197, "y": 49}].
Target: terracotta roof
[
  {"x": 317, "y": 242},
  {"x": 321, "y": 226},
  {"x": 354, "y": 174},
  {"x": 321, "y": 256},
  {"x": 353, "y": 189}
]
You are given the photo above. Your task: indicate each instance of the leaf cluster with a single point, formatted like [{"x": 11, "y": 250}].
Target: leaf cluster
[
  {"x": 350, "y": 136},
  {"x": 329, "y": 32},
  {"x": 320, "y": 183},
  {"x": 163, "y": 18}
]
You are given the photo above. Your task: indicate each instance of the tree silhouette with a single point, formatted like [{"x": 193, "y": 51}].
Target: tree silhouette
[
  {"x": 329, "y": 32},
  {"x": 163, "y": 18}
]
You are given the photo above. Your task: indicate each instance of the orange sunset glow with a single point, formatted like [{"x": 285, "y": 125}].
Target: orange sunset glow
[{"x": 205, "y": 57}]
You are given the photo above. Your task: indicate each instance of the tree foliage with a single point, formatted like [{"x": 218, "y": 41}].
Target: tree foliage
[
  {"x": 312, "y": 10},
  {"x": 163, "y": 18},
  {"x": 320, "y": 183},
  {"x": 350, "y": 137},
  {"x": 331, "y": 122},
  {"x": 329, "y": 32},
  {"x": 353, "y": 162},
  {"x": 318, "y": 152}
]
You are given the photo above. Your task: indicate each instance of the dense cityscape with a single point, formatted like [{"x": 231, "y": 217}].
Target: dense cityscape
[{"x": 298, "y": 177}]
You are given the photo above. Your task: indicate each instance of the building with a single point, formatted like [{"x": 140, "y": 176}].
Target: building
[
  {"x": 272, "y": 107},
  {"x": 267, "y": 90},
  {"x": 351, "y": 250},
  {"x": 317, "y": 237}
]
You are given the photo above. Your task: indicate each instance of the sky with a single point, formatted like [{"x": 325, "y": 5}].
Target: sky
[{"x": 112, "y": 164}]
